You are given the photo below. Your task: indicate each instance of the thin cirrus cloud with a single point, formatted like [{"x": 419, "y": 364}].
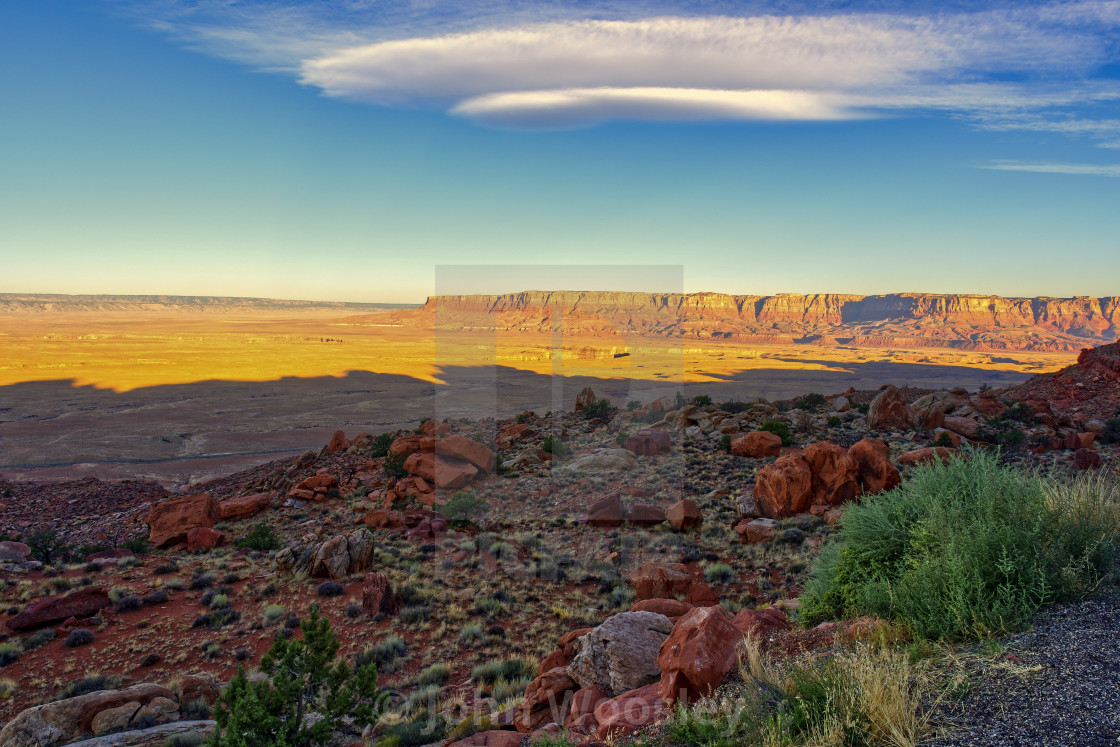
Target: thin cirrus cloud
[
  {"x": 550, "y": 64},
  {"x": 1079, "y": 169}
]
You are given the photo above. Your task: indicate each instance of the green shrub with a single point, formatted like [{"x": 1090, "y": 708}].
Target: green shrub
[
  {"x": 632, "y": 405},
  {"x": 971, "y": 547},
  {"x": 944, "y": 439},
  {"x": 780, "y": 429},
  {"x": 600, "y": 410},
  {"x": 260, "y": 538},
  {"x": 554, "y": 445},
  {"x": 137, "y": 545},
  {"x": 436, "y": 674},
  {"x": 702, "y": 400},
  {"x": 384, "y": 655},
  {"x": 303, "y": 675},
  {"x": 1111, "y": 432},
  {"x": 811, "y": 402},
  {"x": 507, "y": 669},
  {"x": 1003, "y": 432},
  {"x": 381, "y": 445},
  {"x": 464, "y": 508},
  {"x": 725, "y": 443},
  {"x": 394, "y": 465},
  {"x": 834, "y": 421},
  {"x": 719, "y": 573},
  {"x": 47, "y": 547},
  {"x": 422, "y": 729}
]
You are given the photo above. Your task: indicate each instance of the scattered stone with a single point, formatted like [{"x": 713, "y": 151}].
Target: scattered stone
[
  {"x": 684, "y": 515},
  {"x": 757, "y": 445},
  {"x": 170, "y": 520}
]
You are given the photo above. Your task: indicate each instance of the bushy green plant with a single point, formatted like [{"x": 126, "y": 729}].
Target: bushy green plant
[
  {"x": 599, "y": 410},
  {"x": 719, "y": 573},
  {"x": 260, "y": 538},
  {"x": 725, "y": 443},
  {"x": 834, "y": 421},
  {"x": 702, "y": 400},
  {"x": 381, "y": 445},
  {"x": 1111, "y": 432},
  {"x": 944, "y": 439},
  {"x": 779, "y": 429},
  {"x": 303, "y": 675},
  {"x": 47, "y": 547},
  {"x": 554, "y": 445},
  {"x": 394, "y": 465},
  {"x": 811, "y": 402},
  {"x": 632, "y": 405},
  {"x": 137, "y": 545},
  {"x": 970, "y": 547},
  {"x": 464, "y": 507}
]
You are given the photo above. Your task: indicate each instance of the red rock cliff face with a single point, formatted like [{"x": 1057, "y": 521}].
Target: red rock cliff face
[{"x": 971, "y": 322}]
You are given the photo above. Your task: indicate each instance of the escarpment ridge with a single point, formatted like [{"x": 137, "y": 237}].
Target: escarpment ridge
[{"x": 967, "y": 322}]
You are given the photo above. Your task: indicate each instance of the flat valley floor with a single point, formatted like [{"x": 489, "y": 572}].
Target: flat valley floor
[{"x": 185, "y": 397}]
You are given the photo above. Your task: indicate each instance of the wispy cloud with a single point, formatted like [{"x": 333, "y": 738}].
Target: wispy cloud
[
  {"x": 552, "y": 63},
  {"x": 1083, "y": 169}
]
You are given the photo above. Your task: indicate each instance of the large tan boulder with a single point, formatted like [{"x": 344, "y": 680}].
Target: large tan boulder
[
  {"x": 169, "y": 521},
  {"x": 784, "y": 488},
  {"x": 620, "y": 654},
  {"x": 889, "y": 411},
  {"x": 875, "y": 472},
  {"x": 585, "y": 398},
  {"x": 342, "y": 555},
  {"x": 66, "y": 721},
  {"x": 697, "y": 655}
]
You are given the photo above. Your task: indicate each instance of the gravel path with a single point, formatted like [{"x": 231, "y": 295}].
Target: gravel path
[{"x": 1073, "y": 702}]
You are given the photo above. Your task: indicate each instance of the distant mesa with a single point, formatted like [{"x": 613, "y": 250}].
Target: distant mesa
[
  {"x": 37, "y": 303},
  {"x": 910, "y": 320}
]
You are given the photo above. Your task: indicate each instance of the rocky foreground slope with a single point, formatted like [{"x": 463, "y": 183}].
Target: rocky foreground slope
[
  {"x": 913, "y": 320},
  {"x": 581, "y": 570}
]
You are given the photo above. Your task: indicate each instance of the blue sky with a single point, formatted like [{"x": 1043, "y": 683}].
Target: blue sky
[{"x": 346, "y": 150}]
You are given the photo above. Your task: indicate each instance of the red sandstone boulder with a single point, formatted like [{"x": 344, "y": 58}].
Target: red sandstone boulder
[
  {"x": 544, "y": 701},
  {"x": 243, "y": 506},
  {"x": 684, "y": 515},
  {"x": 204, "y": 538},
  {"x": 170, "y": 521},
  {"x": 834, "y": 473},
  {"x": 645, "y": 515},
  {"x": 441, "y": 471},
  {"x": 337, "y": 443},
  {"x": 381, "y": 518},
  {"x": 889, "y": 411},
  {"x": 629, "y": 712},
  {"x": 761, "y": 622},
  {"x": 567, "y": 642},
  {"x": 463, "y": 448},
  {"x": 552, "y": 661},
  {"x": 378, "y": 596},
  {"x": 671, "y": 608},
  {"x": 315, "y": 488},
  {"x": 493, "y": 738},
  {"x": 966, "y": 427},
  {"x": 697, "y": 655},
  {"x": 648, "y": 442},
  {"x": 16, "y": 552},
  {"x": 702, "y": 595},
  {"x": 81, "y": 603},
  {"x": 1086, "y": 459},
  {"x": 606, "y": 512},
  {"x": 756, "y": 445},
  {"x": 412, "y": 443},
  {"x": 654, "y": 581},
  {"x": 875, "y": 472},
  {"x": 926, "y": 454},
  {"x": 754, "y": 531},
  {"x": 584, "y": 701},
  {"x": 784, "y": 488}
]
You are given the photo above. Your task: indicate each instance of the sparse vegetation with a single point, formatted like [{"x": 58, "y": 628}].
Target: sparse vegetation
[{"x": 79, "y": 637}]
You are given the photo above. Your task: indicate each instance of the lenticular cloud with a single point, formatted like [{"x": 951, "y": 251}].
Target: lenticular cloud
[{"x": 801, "y": 68}]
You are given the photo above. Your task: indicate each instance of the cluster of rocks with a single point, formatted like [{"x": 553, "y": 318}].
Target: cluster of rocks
[
  {"x": 136, "y": 715},
  {"x": 335, "y": 557},
  {"x": 189, "y": 519}
]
